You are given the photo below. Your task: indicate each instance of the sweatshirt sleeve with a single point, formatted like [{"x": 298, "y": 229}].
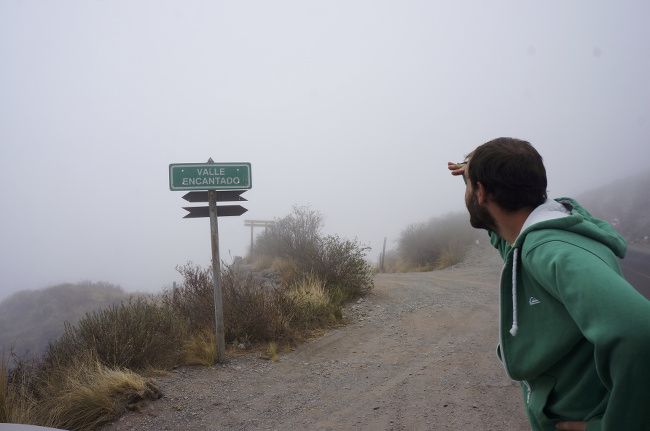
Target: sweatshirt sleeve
[{"x": 613, "y": 316}]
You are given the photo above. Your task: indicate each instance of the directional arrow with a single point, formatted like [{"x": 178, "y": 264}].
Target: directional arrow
[
  {"x": 222, "y": 196},
  {"x": 222, "y": 211}
]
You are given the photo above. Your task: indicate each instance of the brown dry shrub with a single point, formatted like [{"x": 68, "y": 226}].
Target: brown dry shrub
[
  {"x": 437, "y": 243},
  {"x": 286, "y": 269},
  {"x": 253, "y": 312},
  {"x": 138, "y": 334},
  {"x": 193, "y": 300},
  {"x": 296, "y": 243}
]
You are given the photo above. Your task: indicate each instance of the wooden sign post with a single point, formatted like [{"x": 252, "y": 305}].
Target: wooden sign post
[
  {"x": 216, "y": 277},
  {"x": 215, "y": 182}
]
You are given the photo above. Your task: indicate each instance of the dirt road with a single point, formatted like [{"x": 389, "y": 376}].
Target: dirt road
[{"x": 417, "y": 355}]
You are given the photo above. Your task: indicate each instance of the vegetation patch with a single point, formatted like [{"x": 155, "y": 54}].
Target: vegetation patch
[
  {"x": 84, "y": 394},
  {"x": 436, "y": 244},
  {"x": 138, "y": 334},
  {"x": 297, "y": 283},
  {"x": 297, "y": 240}
]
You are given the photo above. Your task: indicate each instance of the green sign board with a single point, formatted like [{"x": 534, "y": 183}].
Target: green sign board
[{"x": 210, "y": 176}]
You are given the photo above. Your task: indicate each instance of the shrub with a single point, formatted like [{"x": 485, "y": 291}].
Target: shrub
[
  {"x": 450, "y": 255},
  {"x": 286, "y": 269},
  {"x": 252, "y": 311},
  {"x": 297, "y": 249},
  {"x": 341, "y": 264},
  {"x": 438, "y": 243},
  {"x": 193, "y": 301},
  {"x": 295, "y": 236},
  {"x": 138, "y": 334}
]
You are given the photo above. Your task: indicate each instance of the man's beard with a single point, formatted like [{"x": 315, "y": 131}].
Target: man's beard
[{"x": 479, "y": 217}]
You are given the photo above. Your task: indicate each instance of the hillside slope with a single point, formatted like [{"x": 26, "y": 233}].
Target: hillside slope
[
  {"x": 30, "y": 319},
  {"x": 625, "y": 204}
]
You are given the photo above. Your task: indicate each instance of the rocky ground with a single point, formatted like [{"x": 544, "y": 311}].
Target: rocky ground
[{"x": 418, "y": 354}]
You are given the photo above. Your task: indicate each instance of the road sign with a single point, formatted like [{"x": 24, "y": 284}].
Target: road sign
[
  {"x": 210, "y": 176},
  {"x": 217, "y": 182},
  {"x": 225, "y": 196},
  {"x": 222, "y": 211}
]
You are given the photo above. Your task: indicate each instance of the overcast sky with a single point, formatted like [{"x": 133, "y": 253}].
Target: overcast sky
[{"x": 351, "y": 107}]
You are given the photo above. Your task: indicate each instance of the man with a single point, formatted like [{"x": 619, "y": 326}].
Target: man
[{"x": 572, "y": 330}]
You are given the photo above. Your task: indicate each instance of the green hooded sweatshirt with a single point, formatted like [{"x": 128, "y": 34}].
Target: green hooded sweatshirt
[{"x": 572, "y": 330}]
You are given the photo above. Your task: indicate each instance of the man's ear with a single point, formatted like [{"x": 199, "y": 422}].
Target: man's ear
[{"x": 481, "y": 194}]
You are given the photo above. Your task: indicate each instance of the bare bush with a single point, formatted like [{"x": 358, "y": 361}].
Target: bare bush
[
  {"x": 341, "y": 264},
  {"x": 193, "y": 301},
  {"x": 294, "y": 236},
  {"x": 137, "y": 334},
  {"x": 298, "y": 249},
  {"x": 437, "y": 243},
  {"x": 252, "y": 311}
]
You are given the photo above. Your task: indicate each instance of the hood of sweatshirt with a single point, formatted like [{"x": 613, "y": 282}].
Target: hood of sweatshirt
[
  {"x": 567, "y": 214},
  {"x": 563, "y": 214}
]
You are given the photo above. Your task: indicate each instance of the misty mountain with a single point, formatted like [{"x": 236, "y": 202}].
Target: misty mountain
[
  {"x": 625, "y": 204},
  {"x": 30, "y": 319}
]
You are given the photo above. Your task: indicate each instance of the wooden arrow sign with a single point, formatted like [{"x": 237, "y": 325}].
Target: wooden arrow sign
[
  {"x": 222, "y": 211},
  {"x": 222, "y": 196}
]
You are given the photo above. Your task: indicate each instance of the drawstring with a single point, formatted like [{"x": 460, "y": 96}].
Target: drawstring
[{"x": 515, "y": 326}]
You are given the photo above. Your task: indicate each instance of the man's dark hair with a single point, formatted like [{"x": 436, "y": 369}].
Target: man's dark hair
[{"x": 511, "y": 171}]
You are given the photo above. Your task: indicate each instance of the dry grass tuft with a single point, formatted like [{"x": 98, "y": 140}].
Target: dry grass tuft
[
  {"x": 271, "y": 352},
  {"x": 201, "y": 349},
  {"x": 87, "y": 394},
  {"x": 311, "y": 305},
  {"x": 81, "y": 395},
  {"x": 16, "y": 402}
]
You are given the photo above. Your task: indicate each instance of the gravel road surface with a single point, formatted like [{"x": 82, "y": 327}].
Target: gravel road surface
[{"x": 418, "y": 354}]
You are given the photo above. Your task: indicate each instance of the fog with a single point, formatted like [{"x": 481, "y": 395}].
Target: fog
[{"x": 350, "y": 107}]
